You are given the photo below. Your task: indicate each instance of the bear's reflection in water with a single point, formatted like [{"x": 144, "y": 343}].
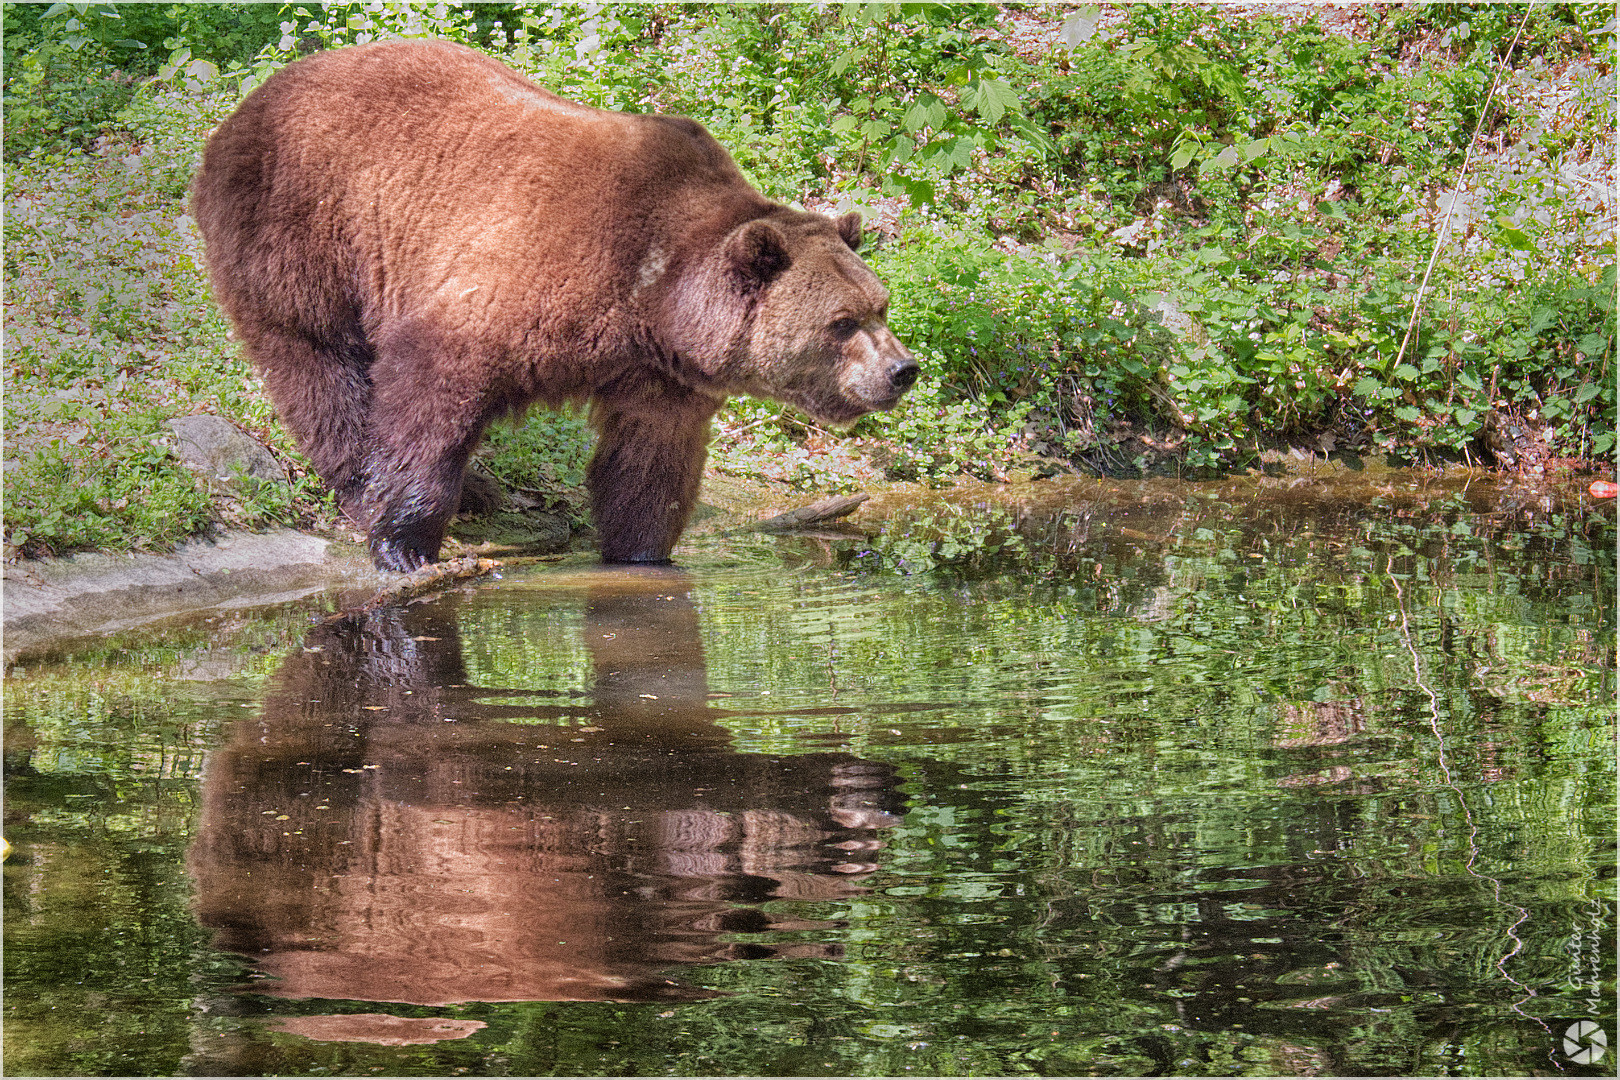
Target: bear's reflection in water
[{"x": 385, "y": 832}]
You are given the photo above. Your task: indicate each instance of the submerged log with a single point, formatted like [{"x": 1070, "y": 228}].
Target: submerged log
[{"x": 826, "y": 510}]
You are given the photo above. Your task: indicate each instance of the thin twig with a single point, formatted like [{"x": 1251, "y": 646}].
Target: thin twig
[
  {"x": 732, "y": 433},
  {"x": 1445, "y": 222}
]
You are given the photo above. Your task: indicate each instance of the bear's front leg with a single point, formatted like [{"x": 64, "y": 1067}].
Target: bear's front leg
[{"x": 644, "y": 477}]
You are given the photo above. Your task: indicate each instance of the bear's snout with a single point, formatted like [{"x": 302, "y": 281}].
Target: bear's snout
[
  {"x": 889, "y": 368},
  {"x": 904, "y": 375}
]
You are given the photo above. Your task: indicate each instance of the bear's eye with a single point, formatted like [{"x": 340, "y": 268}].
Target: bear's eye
[{"x": 844, "y": 327}]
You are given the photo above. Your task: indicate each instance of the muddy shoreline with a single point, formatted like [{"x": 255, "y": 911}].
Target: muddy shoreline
[{"x": 54, "y": 604}]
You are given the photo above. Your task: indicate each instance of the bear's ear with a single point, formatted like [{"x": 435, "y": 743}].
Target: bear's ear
[
  {"x": 849, "y": 227},
  {"x": 757, "y": 254}
]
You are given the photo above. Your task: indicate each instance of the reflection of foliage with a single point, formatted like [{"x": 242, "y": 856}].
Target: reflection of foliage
[{"x": 1188, "y": 785}]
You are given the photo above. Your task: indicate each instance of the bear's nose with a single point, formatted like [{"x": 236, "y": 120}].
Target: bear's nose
[{"x": 903, "y": 375}]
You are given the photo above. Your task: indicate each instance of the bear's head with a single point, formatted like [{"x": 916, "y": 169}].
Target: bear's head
[{"x": 784, "y": 308}]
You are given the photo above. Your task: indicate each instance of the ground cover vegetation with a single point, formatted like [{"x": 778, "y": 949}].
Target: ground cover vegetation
[{"x": 1121, "y": 239}]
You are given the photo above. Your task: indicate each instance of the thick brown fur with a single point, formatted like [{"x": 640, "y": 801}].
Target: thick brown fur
[{"x": 412, "y": 240}]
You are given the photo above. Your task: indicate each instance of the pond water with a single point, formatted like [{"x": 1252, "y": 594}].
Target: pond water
[{"x": 1078, "y": 778}]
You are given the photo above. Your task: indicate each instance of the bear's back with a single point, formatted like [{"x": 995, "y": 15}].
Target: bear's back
[
  {"x": 431, "y": 155},
  {"x": 436, "y": 111}
]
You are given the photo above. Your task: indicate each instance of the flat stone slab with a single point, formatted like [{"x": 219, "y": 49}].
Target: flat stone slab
[{"x": 51, "y": 600}]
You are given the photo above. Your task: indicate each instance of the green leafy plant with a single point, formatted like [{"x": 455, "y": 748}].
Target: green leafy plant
[
  {"x": 1147, "y": 237},
  {"x": 543, "y": 455}
]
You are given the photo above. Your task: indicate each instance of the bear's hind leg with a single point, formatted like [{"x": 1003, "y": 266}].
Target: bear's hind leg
[
  {"x": 323, "y": 395},
  {"x": 644, "y": 476},
  {"x": 424, "y": 427}
]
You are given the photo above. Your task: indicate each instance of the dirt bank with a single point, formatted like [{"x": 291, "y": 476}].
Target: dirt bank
[{"x": 51, "y": 603}]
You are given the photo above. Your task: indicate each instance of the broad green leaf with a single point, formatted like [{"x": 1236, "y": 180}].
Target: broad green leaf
[
  {"x": 961, "y": 155},
  {"x": 1594, "y": 346},
  {"x": 1034, "y": 135},
  {"x": 1515, "y": 239},
  {"x": 991, "y": 99},
  {"x": 928, "y": 112},
  {"x": 920, "y": 192},
  {"x": 1225, "y": 78}
]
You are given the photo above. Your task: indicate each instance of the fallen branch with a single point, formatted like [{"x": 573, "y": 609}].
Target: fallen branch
[
  {"x": 826, "y": 510},
  {"x": 423, "y": 580}
]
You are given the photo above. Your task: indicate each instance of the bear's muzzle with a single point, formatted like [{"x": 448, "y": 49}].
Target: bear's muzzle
[{"x": 879, "y": 370}]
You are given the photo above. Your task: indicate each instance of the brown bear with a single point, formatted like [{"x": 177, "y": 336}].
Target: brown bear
[{"x": 412, "y": 240}]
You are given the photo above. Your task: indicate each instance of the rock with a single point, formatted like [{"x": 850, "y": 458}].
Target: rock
[
  {"x": 52, "y": 601},
  {"x": 481, "y": 493},
  {"x": 217, "y": 448}
]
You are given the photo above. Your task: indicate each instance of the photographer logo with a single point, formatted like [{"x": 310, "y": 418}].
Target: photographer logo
[{"x": 1584, "y": 1042}]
